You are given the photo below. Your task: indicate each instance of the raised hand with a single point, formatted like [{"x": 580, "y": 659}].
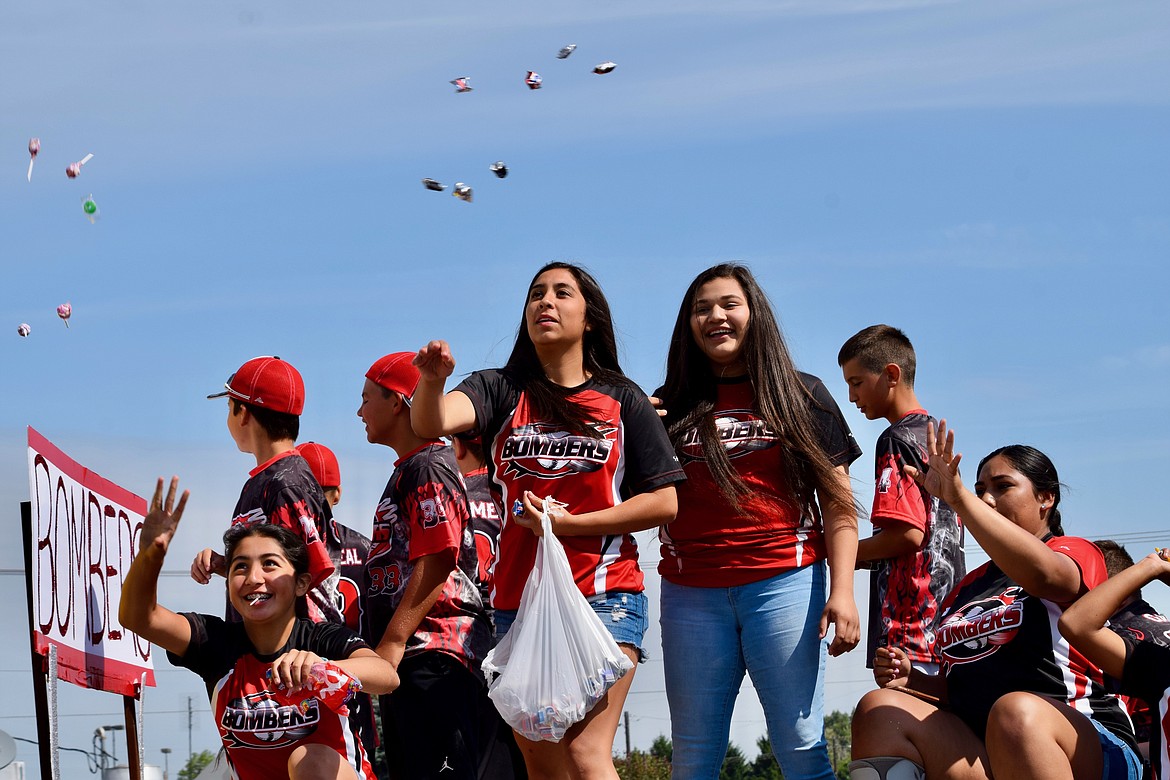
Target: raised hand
[
  {"x": 942, "y": 478},
  {"x": 434, "y": 361},
  {"x": 158, "y": 527}
]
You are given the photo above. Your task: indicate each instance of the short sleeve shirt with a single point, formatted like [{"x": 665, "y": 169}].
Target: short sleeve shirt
[
  {"x": 423, "y": 511},
  {"x": 710, "y": 544},
  {"x": 1140, "y": 622},
  {"x": 258, "y": 732},
  {"x": 1147, "y": 675},
  {"x": 630, "y": 454},
  {"x": 485, "y": 524},
  {"x": 908, "y": 591}
]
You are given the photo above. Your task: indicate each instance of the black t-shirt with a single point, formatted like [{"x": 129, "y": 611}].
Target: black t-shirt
[{"x": 1147, "y": 675}]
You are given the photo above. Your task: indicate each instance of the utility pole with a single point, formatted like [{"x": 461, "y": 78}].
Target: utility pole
[
  {"x": 190, "y": 724},
  {"x": 626, "y": 715}
]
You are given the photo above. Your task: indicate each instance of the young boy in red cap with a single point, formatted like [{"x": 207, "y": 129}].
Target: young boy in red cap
[
  {"x": 265, "y": 399},
  {"x": 425, "y": 612}
]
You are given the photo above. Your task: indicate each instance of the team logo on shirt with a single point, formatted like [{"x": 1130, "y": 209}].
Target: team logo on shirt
[
  {"x": 259, "y": 721},
  {"x": 740, "y": 431},
  {"x": 540, "y": 450},
  {"x": 981, "y": 627}
]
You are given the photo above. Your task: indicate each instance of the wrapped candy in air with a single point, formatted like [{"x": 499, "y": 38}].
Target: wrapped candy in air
[
  {"x": 605, "y": 67},
  {"x": 74, "y": 169},
  {"x": 89, "y": 206},
  {"x": 327, "y": 682},
  {"x": 565, "y": 52},
  {"x": 533, "y": 80},
  {"x": 34, "y": 147},
  {"x": 462, "y": 191},
  {"x": 433, "y": 185},
  {"x": 23, "y": 330},
  {"x": 65, "y": 311},
  {"x": 462, "y": 84},
  {"x": 499, "y": 169}
]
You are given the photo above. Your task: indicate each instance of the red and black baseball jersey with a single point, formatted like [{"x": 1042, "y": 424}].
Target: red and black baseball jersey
[
  {"x": 485, "y": 524},
  {"x": 710, "y": 544},
  {"x": 349, "y": 550},
  {"x": 1140, "y": 622},
  {"x": 258, "y": 733},
  {"x": 423, "y": 511},
  {"x": 995, "y": 638},
  {"x": 1147, "y": 675},
  {"x": 908, "y": 592},
  {"x": 284, "y": 492},
  {"x": 631, "y": 454}
]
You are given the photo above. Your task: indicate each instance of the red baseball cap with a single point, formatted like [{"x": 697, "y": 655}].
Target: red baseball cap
[
  {"x": 267, "y": 382},
  {"x": 395, "y": 372},
  {"x": 322, "y": 462}
]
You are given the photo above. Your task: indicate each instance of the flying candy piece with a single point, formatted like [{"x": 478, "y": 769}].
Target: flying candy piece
[
  {"x": 533, "y": 80},
  {"x": 433, "y": 185},
  {"x": 34, "y": 146},
  {"x": 565, "y": 52},
  {"x": 89, "y": 206},
  {"x": 499, "y": 169},
  {"x": 605, "y": 67},
  {"x": 74, "y": 169},
  {"x": 461, "y": 84},
  {"x": 23, "y": 330},
  {"x": 462, "y": 191},
  {"x": 65, "y": 311}
]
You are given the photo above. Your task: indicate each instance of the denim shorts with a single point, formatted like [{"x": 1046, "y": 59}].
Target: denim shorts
[
  {"x": 624, "y": 615},
  {"x": 1118, "y": 760}
]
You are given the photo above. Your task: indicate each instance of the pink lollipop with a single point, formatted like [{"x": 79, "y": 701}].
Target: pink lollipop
[
  {"x": 74, "y": 169},
  {"x": 34, "y": 146},
  {"x": 65, "y": 311}
]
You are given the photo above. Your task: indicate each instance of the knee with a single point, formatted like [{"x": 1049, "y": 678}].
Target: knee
[
  {"x": 880, "y": 721},
  {"x": 1016, "y": 720},
  {"x": 316, "y": 761},
  {"x": 590, "y": 760}
]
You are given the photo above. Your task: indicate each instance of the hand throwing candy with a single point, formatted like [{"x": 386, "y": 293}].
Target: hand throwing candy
[
  {"x": 65, "y": 311},
  {"x": 327, "y": 682},
  {"x": 34, "y": 146},
  {"x": 74, "y": 169},
  {"x": 23, "y": 330}
]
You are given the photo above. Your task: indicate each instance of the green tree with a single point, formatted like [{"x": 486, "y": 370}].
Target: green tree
[
  {"x": 196, "y": 764},
  {"x": 765, "y": 766},
  {"x": 662, "y": 748},
  {"x": 735, "y": 765},
  {"x": 839, "y": 736},
  {"x": 640, "y": 765}
]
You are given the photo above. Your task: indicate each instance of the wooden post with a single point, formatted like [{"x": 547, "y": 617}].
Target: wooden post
[{"x": 40, "y": 693}]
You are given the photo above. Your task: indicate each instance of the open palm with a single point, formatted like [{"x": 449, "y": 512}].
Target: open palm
[
  {"x": 941, "y": 478},
  {"x": 158, "y": 527}
]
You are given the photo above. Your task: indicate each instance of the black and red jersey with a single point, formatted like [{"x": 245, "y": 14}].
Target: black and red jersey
[
  {"x": 995, "y": 638},
  {"x": 485, "y": 523},
  {"x": 423, "y": 511},
  {"x": 1140, "y": 622},
  {"x": 630, "y": 454},
  {"x": 908, "y": 592},
  {"x": 259, "y": 734},
  {"x": 710, "y": 544},
  {"x": 284, "y": 492},
  {"x": 1147, "y": 675},
  {"x": 349, "y": 550}
]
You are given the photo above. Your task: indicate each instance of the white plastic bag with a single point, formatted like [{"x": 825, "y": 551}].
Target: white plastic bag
[{"x": 557, "y": 660}]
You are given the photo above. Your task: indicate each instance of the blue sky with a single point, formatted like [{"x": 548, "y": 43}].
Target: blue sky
[{"x": 991, "y": 177}]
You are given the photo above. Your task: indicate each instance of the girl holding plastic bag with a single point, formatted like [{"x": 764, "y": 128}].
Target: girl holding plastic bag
[{"x": 560, "y": 420}]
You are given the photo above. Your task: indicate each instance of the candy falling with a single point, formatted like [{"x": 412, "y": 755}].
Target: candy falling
[
  {"x": 533, "y": 80},
  {"x": 65, "y": 311},
  {"x": 462, "y": 191},
  {"x": 605, "y": 67},
  {"x": 462, "y": 84},
  {"x": 499, "y": 169},
  {"x": 89, "y": 206},
  {"x": 23, "y": 330},
  {"x": 433, "y": 185},
  {"x": 34, "y": 146},
  {"x": 74, "y": 169},
  {"x": 565, "y": 52}
]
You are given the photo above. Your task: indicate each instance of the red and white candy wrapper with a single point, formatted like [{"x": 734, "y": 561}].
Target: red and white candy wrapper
[
  {"x": 34, "y": 147},
  {"x": 327, "y": 683},
  {"x": 23, "y": 330},
  {"x": 65, "y": 311},
  {"x": 74, "y": 169}
]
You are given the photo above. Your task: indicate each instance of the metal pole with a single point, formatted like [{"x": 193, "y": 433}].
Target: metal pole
[
  {"x": 627, "y": 718},
  {"x": 190, "y": 716}
]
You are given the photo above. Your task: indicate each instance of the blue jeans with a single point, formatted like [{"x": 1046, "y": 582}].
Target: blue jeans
[{"x": 710, "y": 636}]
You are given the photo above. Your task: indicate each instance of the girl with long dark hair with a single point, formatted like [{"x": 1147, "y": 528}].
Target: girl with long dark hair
[
  {"x": 1012, "y": 700},
  {"x": 766, "y": 505},
  {"x": 561, "y": 420}
]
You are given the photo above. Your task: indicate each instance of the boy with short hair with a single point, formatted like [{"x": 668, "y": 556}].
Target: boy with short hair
[
  {"x": 425, "y": 612},
  {"x": 265, "y": 399},
  {"x": 916, "y": 550}
]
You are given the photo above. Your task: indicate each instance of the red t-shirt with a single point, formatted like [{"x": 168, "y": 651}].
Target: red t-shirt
[{"x": 709, "y": 544}]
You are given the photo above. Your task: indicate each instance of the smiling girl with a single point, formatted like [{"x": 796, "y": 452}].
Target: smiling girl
[
  {"x": 250, "y": 667},
  {"x": 560, "y": 419}
]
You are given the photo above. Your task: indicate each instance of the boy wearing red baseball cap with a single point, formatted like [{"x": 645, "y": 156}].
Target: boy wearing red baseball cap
[{"x": 265, "y": 399}]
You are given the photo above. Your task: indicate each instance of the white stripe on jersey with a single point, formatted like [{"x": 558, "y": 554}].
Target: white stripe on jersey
[
  {"x": 1060, "y": 651},
  {"x": 612, "y": 549}
]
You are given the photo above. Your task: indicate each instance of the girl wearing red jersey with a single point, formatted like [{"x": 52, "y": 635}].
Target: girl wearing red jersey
[
  {"x": 766, "y": 504},
  {"x": 1013, "y": 700},
  {"x": 561, "y": 420},
  {"x": 251, "y": 667}
]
